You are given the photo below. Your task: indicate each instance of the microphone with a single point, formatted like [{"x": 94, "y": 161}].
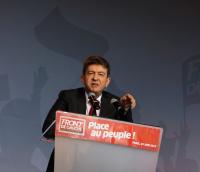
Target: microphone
[
  {"x": 118, "y": 106},
  {"x": 42, "y": 138},
  {"x": 94, "y": 102}
]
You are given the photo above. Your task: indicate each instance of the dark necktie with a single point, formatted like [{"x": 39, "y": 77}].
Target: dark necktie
[{"x": 92, "y": 111}]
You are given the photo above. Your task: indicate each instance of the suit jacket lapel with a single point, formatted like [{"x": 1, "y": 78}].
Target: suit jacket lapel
[
  {"x": 104, "y": 105},
  {"x": 81, "y": 105}
]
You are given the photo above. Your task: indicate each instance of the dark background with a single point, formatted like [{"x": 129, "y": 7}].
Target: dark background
[{"x": 154, "y": 51}]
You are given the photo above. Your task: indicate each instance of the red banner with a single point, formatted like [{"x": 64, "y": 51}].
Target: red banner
[{"x": 107, "y": 131}]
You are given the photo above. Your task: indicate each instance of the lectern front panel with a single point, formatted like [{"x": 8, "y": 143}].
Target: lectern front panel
[{"x": 90, "y": 144}]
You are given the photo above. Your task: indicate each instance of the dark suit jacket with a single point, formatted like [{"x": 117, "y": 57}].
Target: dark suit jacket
[{"x": 74, "y": 101}]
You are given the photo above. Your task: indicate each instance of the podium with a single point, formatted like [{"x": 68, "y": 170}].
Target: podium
[{"x": 92, "y": 144}]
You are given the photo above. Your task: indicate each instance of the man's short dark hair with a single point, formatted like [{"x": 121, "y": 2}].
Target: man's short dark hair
[{"x": 98, "y": 60}]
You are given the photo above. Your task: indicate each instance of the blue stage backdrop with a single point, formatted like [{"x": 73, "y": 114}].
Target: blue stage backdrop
[{"x": 154, "y": 51}]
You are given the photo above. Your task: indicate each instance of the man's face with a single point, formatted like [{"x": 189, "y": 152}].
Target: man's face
[{"x": 95, "y": 79}]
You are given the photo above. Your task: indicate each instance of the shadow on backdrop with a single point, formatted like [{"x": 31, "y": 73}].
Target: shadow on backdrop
[
  {"x": 61, "y": 36},
  {"x": 20, "y": 125},
  {"x": 191, "y": 96}
]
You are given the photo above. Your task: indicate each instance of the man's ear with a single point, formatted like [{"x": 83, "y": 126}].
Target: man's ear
[{"x": 108, "y": 81}]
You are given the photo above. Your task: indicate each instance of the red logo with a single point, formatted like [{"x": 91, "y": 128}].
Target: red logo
[{"x": 72, "y": 125}]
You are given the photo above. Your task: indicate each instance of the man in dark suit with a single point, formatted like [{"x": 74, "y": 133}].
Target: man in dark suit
[{"x": 95, "y": 78}]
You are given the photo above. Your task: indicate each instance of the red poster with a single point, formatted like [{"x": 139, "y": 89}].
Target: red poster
[{"x": 107, "y": 131}]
